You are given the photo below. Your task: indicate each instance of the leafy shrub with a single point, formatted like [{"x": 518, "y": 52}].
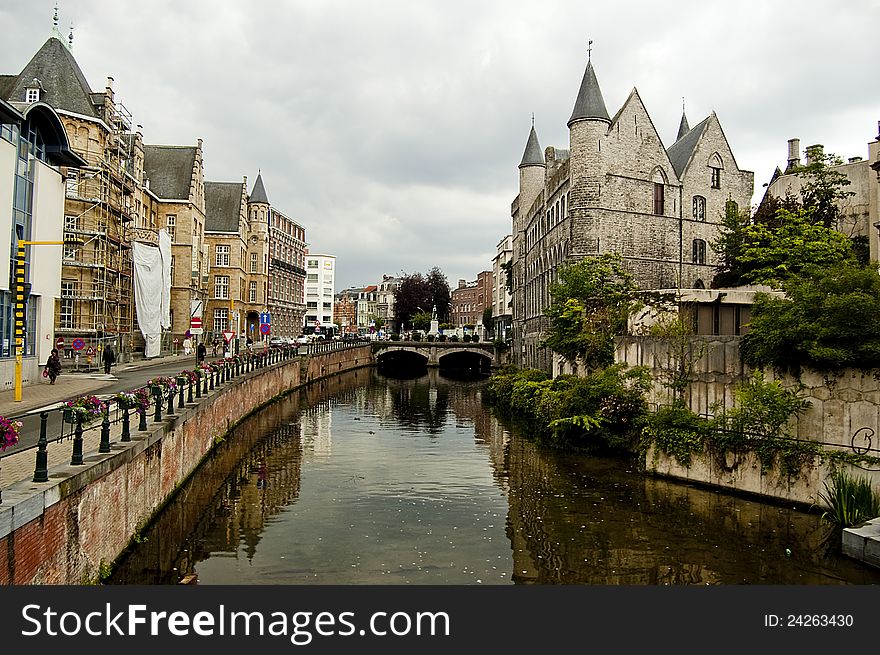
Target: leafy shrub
[
  {"x": 417, "y": 336},
  {"x": 395, "y": 336},
  {"x": 677, "y": 432}
]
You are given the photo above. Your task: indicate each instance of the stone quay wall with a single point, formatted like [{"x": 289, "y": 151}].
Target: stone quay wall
[
  {"x": 844, "y": 414},
  {"x": 67, "y": 530}
]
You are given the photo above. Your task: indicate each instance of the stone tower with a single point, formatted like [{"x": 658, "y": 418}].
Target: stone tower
[{"x": 587, "y": 126}]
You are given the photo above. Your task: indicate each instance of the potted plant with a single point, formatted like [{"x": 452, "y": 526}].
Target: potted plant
[
  {"x": 10, "y": 431},
  {"x": 83, "y": 409}
]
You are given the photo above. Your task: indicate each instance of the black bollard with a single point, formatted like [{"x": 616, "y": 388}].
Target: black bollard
[
  {"x": 189, "y": 390},
  {"x": 198, "y": 384},
  {"x": 180, "y": 383},
  {"x": 205, "y": 385},
  {"x": 142, "y": 419},
  {"x": 170, "y": 402},
  {"x": 105, "y": 433},
  {"x": 41, "y": 470},
  {"x": 77, "y": 458},
  {"x": 157, "y": 403},
  {"x": 126, "y": 425},
  {"x": 213, "y": 375}
]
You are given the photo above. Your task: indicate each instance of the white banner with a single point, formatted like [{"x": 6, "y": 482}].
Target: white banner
[
  {"x": 165, "y": 252},
  {"x": 148, "y": 294}
]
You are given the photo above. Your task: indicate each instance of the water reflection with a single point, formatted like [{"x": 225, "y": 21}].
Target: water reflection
[{"x": 368, "y": 479}]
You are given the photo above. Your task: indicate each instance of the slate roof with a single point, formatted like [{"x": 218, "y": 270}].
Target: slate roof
[
  {"x": 683, "y": 127},
  {"x": 222, "y": 206},
  {"x": 589, "y": 103},
  {"x": 169, "y": 169},
  {"x": 6, "y": 84},
  {"x": 64, "y": 85},
  {"x": 681, "y": 151},
  {"x": 259, "y": 192},
  {"x": 533, "y": 154}
]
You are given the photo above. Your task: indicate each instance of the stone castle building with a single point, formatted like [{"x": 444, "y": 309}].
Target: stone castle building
[{"x": 618, "y": 189}]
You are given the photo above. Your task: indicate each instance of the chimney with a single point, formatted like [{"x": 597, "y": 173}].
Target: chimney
[
  {"x": 794, "y": 156},
  {"x": 815, "y": 153},
  {"x": 462, "y": 283}
]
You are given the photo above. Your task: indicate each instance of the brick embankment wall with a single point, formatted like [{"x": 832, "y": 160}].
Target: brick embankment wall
[{"x": 64, "y": 531}]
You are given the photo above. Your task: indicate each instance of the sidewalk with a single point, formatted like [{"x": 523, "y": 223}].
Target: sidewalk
[
  {"x": 19, "y": 466},
  {"x": 67, "y": 386}
]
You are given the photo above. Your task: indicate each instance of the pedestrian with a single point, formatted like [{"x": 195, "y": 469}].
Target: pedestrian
[
  {"x": 201, "y": 352},
  {"x": 250, "y": 344},
  {"x": 187, "y": 346},
  {"x": 214, "y": 346},
  {"x": 108, "y": 357},
  {"x": 53, "y": 366}
]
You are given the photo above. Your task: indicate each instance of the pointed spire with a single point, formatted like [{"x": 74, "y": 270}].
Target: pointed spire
[
  {"x": 533, "y": 155},
  {"x": 683, "y": 127},
  {"x": 259, "y": 192},
  {"x": 589, "y": 103},
  {"x": 55, "y": 31},
  {"x": 70, "y": 38}
]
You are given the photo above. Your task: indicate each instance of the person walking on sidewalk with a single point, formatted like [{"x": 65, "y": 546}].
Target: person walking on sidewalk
[
  {"x": 53, "y": 366},
  {"x": 109, "y": 358},
  {"x": 201, "y": 352}
]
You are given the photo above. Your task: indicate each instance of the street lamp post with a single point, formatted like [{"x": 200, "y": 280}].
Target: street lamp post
[{"x": 20, "y": 307}]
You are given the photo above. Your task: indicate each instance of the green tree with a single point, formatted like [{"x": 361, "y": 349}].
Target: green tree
[
  {"x": 441, "y": 296},
  {"x": 772, "y": 254},
  {"x": 824, "y": 188},
  {"x": 590, "y": 304},
  {"x": 421, "y": 320},
  {"x": 829, "y": 319}
]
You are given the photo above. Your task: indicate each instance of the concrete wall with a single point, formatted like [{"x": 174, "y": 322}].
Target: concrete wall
[
  {"x": 844, "y": 413},
  {"x": 62, "y": 531}
]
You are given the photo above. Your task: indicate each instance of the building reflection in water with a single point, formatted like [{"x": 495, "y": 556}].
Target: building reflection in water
[{"x": 399, "y": 492}]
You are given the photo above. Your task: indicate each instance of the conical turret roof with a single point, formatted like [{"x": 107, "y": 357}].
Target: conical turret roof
[
  {"x": 259, "y": 192},
  {"x": 589, "y": 103},
  {"x": 533, "y": 155},
  {"x": 683, "y": 127}
]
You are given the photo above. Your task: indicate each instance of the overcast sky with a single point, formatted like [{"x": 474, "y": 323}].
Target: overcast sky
[{"x": 392, "y": 129}]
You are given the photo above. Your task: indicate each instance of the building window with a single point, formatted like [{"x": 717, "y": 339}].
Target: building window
[
  {"x": 253, "y": 292},
  {"x": 731, "y": 208},
  {"x": 699, "y": 208},
  {"x": 221, "y": 256},
  {"x": 68, "y": 290},
  {"x": 254, "y": 261},
  {"x": 32, "y": 95},
  {"x": 716, "y": 178},
  {"x": 170, "y": 224},
  {"x": 172, "y": 270},
  {"x": 699, "y": 251},
  {"x": 313, "y": 263},
  {"x": 658, "y": 198},
  {"x": 221, "y": 287},
  {"x": 221, "y": 320},
  {"x": 312, "y": 277}
]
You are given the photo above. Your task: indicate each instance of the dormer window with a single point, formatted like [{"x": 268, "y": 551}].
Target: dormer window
[
  {"x": 32, "y": 91},
  {"x": 715, "y": 168}
]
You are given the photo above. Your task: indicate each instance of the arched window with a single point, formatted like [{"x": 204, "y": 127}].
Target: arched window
[
  {"x": 699, "y": 208},
  {"x": 699, "y": 251},
  {"x": 699, "y": 284},
  {"x": 715, "y": 167},
  {"x": 659, "y": 179}
]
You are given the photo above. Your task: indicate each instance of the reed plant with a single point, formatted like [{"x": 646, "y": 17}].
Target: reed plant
[{"x": 849, "y": 500}]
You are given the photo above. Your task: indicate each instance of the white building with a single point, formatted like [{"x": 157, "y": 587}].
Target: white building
[
  {"x": 33, "y": 147},
  {"x": 320, "y": 285},
  {"x": 502, "y": 301}
]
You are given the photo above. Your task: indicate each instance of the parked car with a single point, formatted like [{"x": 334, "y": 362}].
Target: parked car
[
  {"x": 302, "y": 339},
  {"x": 277, "y": 341}
]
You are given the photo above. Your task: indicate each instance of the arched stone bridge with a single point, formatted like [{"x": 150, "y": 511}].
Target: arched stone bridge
[{"x": 432, "y": 352}]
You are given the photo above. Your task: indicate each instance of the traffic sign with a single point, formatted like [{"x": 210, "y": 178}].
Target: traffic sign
[
  {"x": 176, "y": 341},
  {"x": 90, "y": 352},
  {"x": 78, "y": 344},
  {"x": 264, "y": 328},
  {"x": 59, "y": 342},
  {"x": 228, "y": 336},
  {"x": 264, "y": 318},
  {"x": 195, "y": 322}
]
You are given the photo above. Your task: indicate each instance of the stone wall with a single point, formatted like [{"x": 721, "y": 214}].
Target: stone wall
[
  {"x": 844, "y": 414},
  {"x": 63, "y": 531}
]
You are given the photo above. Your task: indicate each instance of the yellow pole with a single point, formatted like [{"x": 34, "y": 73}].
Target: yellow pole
[{"x": 19, "y": 308}]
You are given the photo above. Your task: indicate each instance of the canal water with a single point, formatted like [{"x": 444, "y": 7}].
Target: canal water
[{"x": 367, "y": 479}]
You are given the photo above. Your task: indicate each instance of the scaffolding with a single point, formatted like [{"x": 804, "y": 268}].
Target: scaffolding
[{"x": 96, "y": 303}]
